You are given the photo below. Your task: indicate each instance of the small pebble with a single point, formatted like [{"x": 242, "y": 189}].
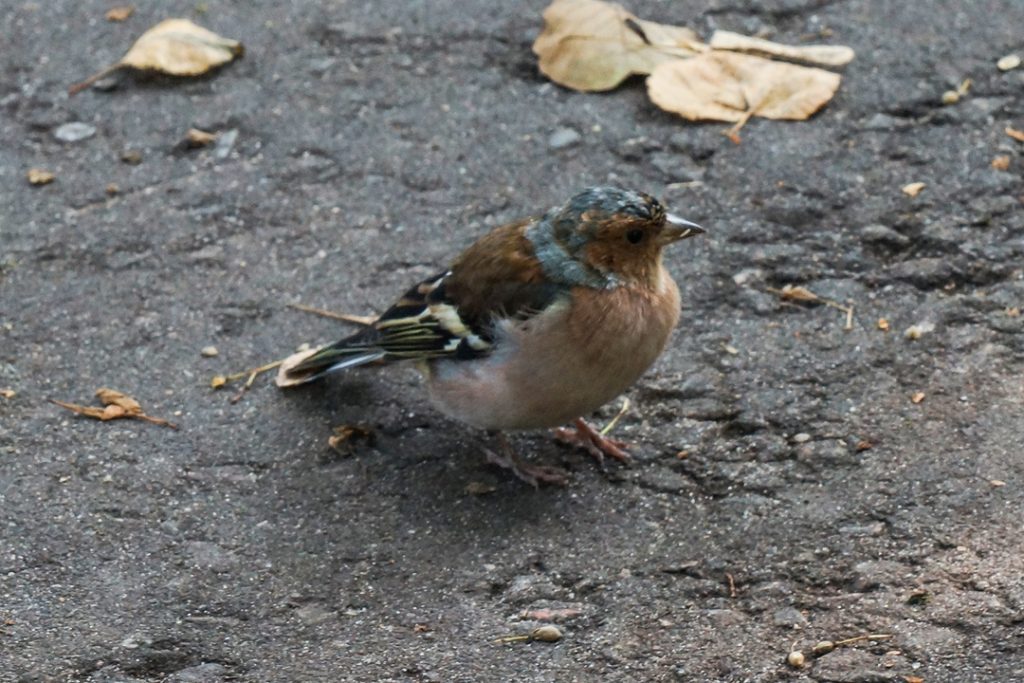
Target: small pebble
[
  {"x": 1008, "y": 62},
  {"x": 564, "y": 137},
  {"x": 74, "y": 131},
  {"x": 131, "y": 156},
  {"x": 208, "y": 351},
  {"x": 225, "y": 141},
  {"x": 802, "y": 437},
  {"x": 38, "y": 176}
]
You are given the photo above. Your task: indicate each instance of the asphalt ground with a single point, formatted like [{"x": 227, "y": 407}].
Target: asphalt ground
[{"x": 787, "y": 487}]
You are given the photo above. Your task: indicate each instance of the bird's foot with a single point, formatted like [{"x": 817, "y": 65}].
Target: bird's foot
[
  {"x": 593, "y": 442},
  {"x": 533, "y": 475}
]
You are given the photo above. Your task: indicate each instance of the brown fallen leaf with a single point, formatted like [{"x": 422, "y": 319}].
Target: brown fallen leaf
[
  {"x": 1017, "y": 135},
  {"x": 590, "y": 45},
  {"x": 1001, "y": 162},
  {"x": 8, "y": 393},
  {"x": 863, "y": 445},
  {"x": 479, "y": 488},
  {"x": 728, "y": 86},
  {"x": 912, "y": 189},
  {"x": 37, "y": 176},
  {"x": 116, "y": 405},
  {"x": 550, "y": 614},
  {"x": 825, "y": 55},
  {"x": 917, "y": 397},
  {"x": 343, "y": 436},
  {"x": 176, "y": 47},
  {"x": 120, "y": 13},
  {"x": 797, "y": 293},
  {"x": 199, "y": 138},
  {"x": 883, "y": 324}
]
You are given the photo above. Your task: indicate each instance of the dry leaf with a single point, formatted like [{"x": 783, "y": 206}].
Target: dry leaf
[
  {"x": 218, "y": 381},
  {"x": 1013, "y": 311},
  {"x": 479, "y": 488},
  {"x": 120, "y": 13},
  {"x": 1017, "y": 135},
  {"x": 863, "y": 445},
  {"x": 591, "y": 46},
  {"x": 728, "y": 86},
  {"x": 913, "y": 679},
  {"x": 998, "y": 483},
  {"x": 825, "y": 55},
  {"x": 38, "y": 176},
  {"x": 883, "y": 324},
  {"x": 8, "y": 393},
  {"x": 917, "y": 397},
  {"x": 917, "y": 331},
  {"x": 341, "y": 440},
  {"x": 912, "y": 189},
  {"x": 199, "y": 138},
  {"x": 791, "y": 293},
  {"x": 1001, "y": 162},
  {"x": 117, "y": 405},
  {"x": 174, "y": 46}
]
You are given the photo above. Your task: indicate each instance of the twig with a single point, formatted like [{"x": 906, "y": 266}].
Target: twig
[
  {"x": 364, "y": 320},
  {"x": 732, "y": 585},
  {"x": 615, "y": 420},
  {"x": 245, "y": 387},
  {"x": 221, "y": 380}
]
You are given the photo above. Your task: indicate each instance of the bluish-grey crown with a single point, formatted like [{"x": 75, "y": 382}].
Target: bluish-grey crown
[{"x": 561, "y": 234}]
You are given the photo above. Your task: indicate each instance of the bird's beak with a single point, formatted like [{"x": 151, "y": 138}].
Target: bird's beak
[{"x": 677, "y": 228}]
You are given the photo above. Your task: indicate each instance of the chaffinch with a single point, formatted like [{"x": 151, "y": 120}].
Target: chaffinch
[{"x": 537, "y": 323}]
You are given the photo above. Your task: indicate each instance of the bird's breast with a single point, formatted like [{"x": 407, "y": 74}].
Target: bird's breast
[{"x": 565, "y": 362}]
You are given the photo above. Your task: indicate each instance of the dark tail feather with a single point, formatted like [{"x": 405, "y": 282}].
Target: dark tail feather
[{"x": 310, "y": 366}]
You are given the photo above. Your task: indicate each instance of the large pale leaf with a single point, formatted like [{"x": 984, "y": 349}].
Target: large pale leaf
[
  {"x": 591, "y": 45},
  {"x": 174, "y": 46},
  {"x": 728, "y": 86}
]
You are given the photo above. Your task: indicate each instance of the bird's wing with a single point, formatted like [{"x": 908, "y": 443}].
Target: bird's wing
[{"x": 450, "y": 314}]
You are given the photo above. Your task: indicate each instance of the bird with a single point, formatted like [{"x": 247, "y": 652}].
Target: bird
[{"x": 535, "y": 325}]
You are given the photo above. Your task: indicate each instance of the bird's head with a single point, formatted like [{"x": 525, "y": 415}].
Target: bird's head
[{"x": 607, "y": 235}]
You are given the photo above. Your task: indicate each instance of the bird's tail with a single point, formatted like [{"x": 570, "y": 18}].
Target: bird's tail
[{"x": 311, "y": 365}]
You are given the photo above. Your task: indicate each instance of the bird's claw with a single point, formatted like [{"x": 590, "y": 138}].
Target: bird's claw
[
  {"x": 533, "y": 475},
  {"x": 588, "y": 438}
]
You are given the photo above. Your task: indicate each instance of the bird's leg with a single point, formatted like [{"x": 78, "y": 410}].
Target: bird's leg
[
  {"x": 531, "y": 474},
  {"x": 592, "y": 441}
]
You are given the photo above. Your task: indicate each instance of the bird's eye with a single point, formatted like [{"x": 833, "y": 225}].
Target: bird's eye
[{"x": 634, "y": 236}]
